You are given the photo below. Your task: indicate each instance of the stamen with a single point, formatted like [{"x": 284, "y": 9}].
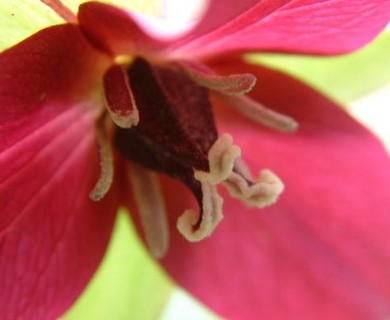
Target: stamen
[
  {"x": 188, "y": 223},
  {"x": 63, "y": 11},
  {"x": 261, "y": 114},
  {"x": 243, "y": 169},
  {"x": 177, "y": 136},
  {"x": 222, "y": 156},
  {"x": 104, "y": 182},
  {"x": 232, "y": 84},
  {"x": 264, "y": 192},
  {"x": 151, "y": 208},
  {"x": 119, "y": 98}
]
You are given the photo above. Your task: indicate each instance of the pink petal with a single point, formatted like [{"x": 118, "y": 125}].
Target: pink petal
[
  {"x": 299, "y": 26},
  {"x": 220, "y": 13},
  {"x": 55, "y": 64},
  {"x": 119, "y": 32},
  {"x": 322, "y": 251},
  {"x": 115, "y": 30},
  {"x": 52, "y": 236}
]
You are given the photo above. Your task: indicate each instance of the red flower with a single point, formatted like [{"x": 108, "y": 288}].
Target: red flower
[{"x": 320, "y": 253}]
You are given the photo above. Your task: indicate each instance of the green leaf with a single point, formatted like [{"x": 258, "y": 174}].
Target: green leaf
[
  {"x": 127, "y": 285},
  {"x": 345, "y": 78}
]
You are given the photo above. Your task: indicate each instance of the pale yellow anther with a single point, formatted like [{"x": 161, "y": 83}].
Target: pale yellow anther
[
  {"x": 106, "y": 175},
  {"x": 211, "y": 215},
  {"x": 233, "y": 84},
  {"x": 222, "y": 156},
  {"x": 261, "y": 193},
  {"x": 260, "y": 113}
]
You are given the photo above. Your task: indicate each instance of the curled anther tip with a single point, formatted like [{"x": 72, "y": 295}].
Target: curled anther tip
[
  {"x": 274, "y": 183},
  {"x": 261, "y": 193},
  {"x": 222, "y": 156},
  {"x": 195, "y": 228},
  {"x": 186, "y": 224}
]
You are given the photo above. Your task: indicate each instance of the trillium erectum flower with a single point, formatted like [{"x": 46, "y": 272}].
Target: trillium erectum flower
[{"x": 99, "y": 112}]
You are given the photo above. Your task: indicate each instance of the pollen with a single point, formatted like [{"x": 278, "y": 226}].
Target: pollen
[{"x": 124, "y": 59}]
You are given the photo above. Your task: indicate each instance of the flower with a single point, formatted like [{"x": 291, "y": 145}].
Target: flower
[{"x": 318, "y": 253}]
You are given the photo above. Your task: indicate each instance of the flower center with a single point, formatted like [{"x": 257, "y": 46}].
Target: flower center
[
  {"x": 176, "y": 127},
  {"x": 165, "y": 124}
]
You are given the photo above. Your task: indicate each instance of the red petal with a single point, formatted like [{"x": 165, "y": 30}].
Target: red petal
[
  {"x": 299, "y": 26},
  {"x": 114, "y": 30},
  {"x": 56, "y": 64},
  {"x": 121, "y": 32},
  {"x": 220, "y": 13},
  {"x": 321, "y": 252},
  {"x": 303, "y": 26},
  {"x": 52, "y": 236}
]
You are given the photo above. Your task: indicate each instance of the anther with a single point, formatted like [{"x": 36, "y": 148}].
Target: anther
[
  {"x": 176, "y": 135},
  {"x": 61, "y": 10},
  {"x": 232, "y": 84},
  {"x": 221, "y": 156},
  {"x": 195, "y": 227},
  {"x": 261, "y": 193},
  {"x": 104, "y": 182},
  {"x": 151, "y": 209},
  {"x": 260, "y": 113},
  {"x": 119, "y": 97}
]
